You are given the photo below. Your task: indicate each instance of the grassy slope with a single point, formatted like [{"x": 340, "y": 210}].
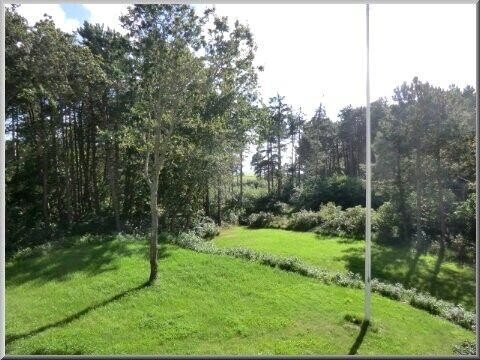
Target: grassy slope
[
  {"x": 90, "y": 299},
  {"x": 453, "y": 283}
]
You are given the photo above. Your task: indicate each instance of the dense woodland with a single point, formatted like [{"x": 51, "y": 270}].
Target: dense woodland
[{"x": 147, "y": 132}]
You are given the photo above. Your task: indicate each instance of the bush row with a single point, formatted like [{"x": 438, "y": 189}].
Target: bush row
[
  {"x": 465, "y": 348},
  {"x": 329, "y": 220},
  {"x": 454, "y": 313}
]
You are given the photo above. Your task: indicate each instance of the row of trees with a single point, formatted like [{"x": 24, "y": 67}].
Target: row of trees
[
  {"x": 111, "y": 127},
  {"x": 423, "y": 161},
  {"x": 149, "y": 129}
]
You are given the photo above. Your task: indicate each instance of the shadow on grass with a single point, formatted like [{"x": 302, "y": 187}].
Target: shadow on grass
[
  {"x": 59, "y": 264},
  {"x": 359, "y": 339},
  {"x": 45, "y": 351},
  {"x": 11, "y": 338},
  {"x": 396, "y": 265}
]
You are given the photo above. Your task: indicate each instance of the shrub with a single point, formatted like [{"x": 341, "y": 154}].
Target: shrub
[
  {"x": 193, "y": 242},
  {"x": 463, "y": 218},
  {"x": 342, "y": 190},
  {"x": 232, "y": 217},
  {"x": 465, "y": 348},
  {"x": 280, "y": 208},
  {"x": 354, "y": 221},
  {"x": 266, "y": 203},
  {"x": 242, "y": 253},
  {"x": 385, "y": 224},
  {"x": 279, "y": 222},
  {"x": 303, "y": 220},
  {"x": 392, "y": 291},
  {"x": 426, "y": 302},
  {"x": 260, "y": 220},
  {"x": 331, "y": 220},
  {"x": 205, "y": 227}
]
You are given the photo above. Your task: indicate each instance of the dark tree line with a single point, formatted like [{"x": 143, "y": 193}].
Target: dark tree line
[
  {"x": 423, "y": 163},
  {"x": 118, "y": 132},
  {"x": 148, "y": 131}
]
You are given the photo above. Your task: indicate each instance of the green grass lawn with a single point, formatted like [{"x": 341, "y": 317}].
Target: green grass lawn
[
  {"x": 92, "y": 299},
  {"x": 453, "y": 282}
]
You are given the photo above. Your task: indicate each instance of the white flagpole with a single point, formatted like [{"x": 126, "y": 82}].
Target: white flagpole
[{"x": 368, "y": 226}]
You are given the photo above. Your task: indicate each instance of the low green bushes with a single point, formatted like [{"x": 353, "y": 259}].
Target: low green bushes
[
  {"x": 205, "y": 227},
  {"x": 329, "y": 220},
  {"x": 303, "y": 220},
  {"x": 332, "y": 220},
  {"x": 465, "y": 348},
  {"x": 260, "y": 220}
]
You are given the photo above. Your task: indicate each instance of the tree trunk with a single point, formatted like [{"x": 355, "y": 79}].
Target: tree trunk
[
  {"x": 207, "y": 199},
  {"x": 279, "y": 166},
  {"x": 268, "y": 167},
  {"x": 241, "y": 179},
  {"x": 219, "y": 203},
  {"x": 42, "y": 151},
  {"x": 112, "y": 182},
  {"x": 154, "y": 231},
  {"x": 401, "y": 199},
  {"x": 418, "y": 194}
]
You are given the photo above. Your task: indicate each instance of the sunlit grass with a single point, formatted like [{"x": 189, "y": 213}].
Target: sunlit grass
[
  {"x": 453, "y": 282},
  {"x": 92, "y": 299}
]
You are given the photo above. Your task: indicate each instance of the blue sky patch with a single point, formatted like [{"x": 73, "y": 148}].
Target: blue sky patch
[{"x": 76, "y": 11}]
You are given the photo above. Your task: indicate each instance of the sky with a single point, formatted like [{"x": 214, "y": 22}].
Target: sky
[{"x": 316, "y": 53}]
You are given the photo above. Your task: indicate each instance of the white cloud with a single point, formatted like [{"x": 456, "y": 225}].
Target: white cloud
[
  {"x": 35, "y": 12},
  {"x": 107, "y": 14}
]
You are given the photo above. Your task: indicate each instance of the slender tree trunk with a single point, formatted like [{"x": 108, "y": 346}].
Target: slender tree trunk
[
  {"x": 154, "y": 230},
  {"x": 152, "y": 180},
  {"x": 42, "y": 152},
  {"x": 268, "y": 167},
  {"x": 111, "y": 163},
  {"x": 418, "y": 191},
  {"x": 279, "y": 166},
  {"x": 441, "y": 214},
  {"x": 241, "y": 179},
  {"x": 207, "y": 198},
  {"x": 401, "y": 199},
  {"x": 219, "y": 203},
  {"x": 14, "y": 137}
]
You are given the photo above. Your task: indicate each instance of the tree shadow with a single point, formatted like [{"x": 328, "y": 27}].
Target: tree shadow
[
  {"x": 399, "y": 265},
  {"x": 358, "y": 341},
  {"x": 46, "y": 351},
  {"x": 436, "y": 271},
  {"x": 59, "y": 264},
  {"x": 412, "y": 268},
  {"x": 11, "y": 338}
]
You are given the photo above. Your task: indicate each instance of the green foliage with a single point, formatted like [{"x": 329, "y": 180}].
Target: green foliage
[
  {"x": 385, "y": 224},
  {"x": 344, "y": 191},
  {"x": 260, "y": 220},
  {"x": 465, "y": 348},
  {"x": 303, "y": 220},
  {"x": 205, "y": 227},
  {"x": 332, "y": 219},
  {"x": 354, "y": 221}
]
